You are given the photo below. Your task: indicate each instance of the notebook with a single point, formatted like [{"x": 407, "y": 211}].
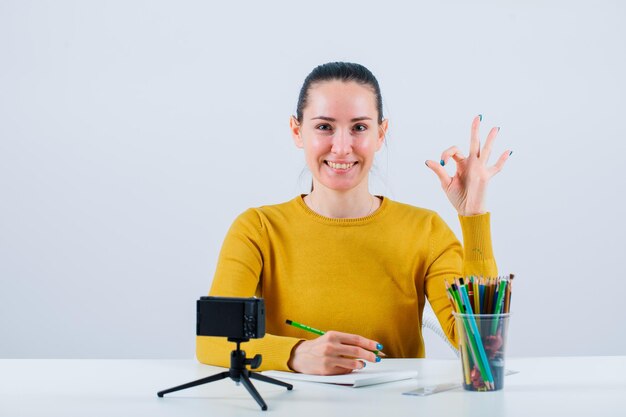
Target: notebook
[{"x": 356, "y": 379}]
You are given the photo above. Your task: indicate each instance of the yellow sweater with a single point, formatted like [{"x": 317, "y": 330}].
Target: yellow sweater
[{"x": 367, "y": 276}]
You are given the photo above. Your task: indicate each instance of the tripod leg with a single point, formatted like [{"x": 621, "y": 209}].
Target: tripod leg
[
  {"x": 270, "y": 380},
  {"x": 206, "y": 380},
  {"x": 255, "y": 394}
]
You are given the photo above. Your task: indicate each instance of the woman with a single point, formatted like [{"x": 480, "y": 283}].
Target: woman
[{"x": 342, "y": 259}]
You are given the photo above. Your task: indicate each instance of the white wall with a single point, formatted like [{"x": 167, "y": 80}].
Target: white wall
[{"x": 133, "y": 132}]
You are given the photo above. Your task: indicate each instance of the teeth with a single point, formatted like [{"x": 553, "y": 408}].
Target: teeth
[{"x": 340, "y": 166}]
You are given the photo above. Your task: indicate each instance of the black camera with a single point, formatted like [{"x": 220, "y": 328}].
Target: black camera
[
  {"x": 232, "y": 317},
  {"x": 238, "y": 319}
]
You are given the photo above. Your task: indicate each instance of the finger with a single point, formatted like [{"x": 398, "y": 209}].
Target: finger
[
  {"x": 329, "y": 368},
  {"x": 339, "y": 371},
  {"x": 358, "y": 352},
  {"x": 338, "y": 366},
  {"x": 354, "y": 340},
  {"x": 441, "y": 173},
  {"x": 348, "y": 364},
  {"x": 475, "y": 136},
  {"x": 486, "y": 151},
  {"x": 500, "y": 163},
  {"x": 452, "y": 152}
]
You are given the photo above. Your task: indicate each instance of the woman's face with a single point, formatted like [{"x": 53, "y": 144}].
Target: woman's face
[{"x": 339, "y": 133}]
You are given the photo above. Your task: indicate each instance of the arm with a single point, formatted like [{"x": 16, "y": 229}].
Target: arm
[
  {"x": 450, "y": 260},
  {"x": 238, "y": 274},
  {"x": 466, "y": 191}
]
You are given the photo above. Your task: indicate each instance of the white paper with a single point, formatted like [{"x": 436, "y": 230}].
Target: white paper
[{"x": 354, "y": 379}]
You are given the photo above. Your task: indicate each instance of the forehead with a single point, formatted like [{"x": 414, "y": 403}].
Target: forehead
[{"x": 341, "y": 100}]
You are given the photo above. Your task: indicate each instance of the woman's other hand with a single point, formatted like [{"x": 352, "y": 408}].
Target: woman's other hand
[
  {"x": 467, "y": 188},
  {"x": 334, "y": 353}
]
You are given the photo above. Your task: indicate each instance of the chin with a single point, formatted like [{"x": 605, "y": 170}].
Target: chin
[{"x": 340, "y": 185}]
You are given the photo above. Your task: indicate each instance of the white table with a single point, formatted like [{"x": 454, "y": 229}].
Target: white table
[{"x": 573, "y": 386}]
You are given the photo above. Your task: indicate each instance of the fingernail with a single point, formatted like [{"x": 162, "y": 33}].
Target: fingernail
[
  {"x": 426, "y": 163},
  {"x": 480, "y": 116},
  {"x": 379, "y": 346},
  {"x": 364, "y": 364},
  {"x": 510, "y": 153},
  {"x": 377, "y": 358},
  {"x": 498, "y": 128},
  {"x": 442, "y": 163}
]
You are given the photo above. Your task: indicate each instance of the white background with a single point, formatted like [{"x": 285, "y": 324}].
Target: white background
[{"x": 133, "y": 132}]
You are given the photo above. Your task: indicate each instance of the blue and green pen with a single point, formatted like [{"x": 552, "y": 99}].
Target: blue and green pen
[{"x": 318, "y": 332}]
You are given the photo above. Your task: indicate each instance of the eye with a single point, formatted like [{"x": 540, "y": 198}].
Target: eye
[
  {"x": 324, "y": 127},
  {"x": 360, "y": 127}
]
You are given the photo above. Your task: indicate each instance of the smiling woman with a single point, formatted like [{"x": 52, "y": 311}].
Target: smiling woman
[
  {"x": 340, "y": 135},
  {"x": 342, "y": 259}
]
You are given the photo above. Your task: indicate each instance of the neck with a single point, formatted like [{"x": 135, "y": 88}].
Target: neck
[{"x": 342, "y": 205}]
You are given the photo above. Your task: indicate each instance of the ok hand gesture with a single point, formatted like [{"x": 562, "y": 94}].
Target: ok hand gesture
[{"x": 467, "y": 188}]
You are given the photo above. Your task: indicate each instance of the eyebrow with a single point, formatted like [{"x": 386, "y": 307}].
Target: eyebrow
[{"x": 330, "y": 119}]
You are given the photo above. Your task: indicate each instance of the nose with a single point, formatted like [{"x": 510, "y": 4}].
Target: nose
[{"x": 342, "y": 142}]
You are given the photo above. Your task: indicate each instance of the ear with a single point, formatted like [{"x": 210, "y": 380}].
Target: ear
[
  {"x": 294, "y": 126},
  {"x": 382, "y": 132}
]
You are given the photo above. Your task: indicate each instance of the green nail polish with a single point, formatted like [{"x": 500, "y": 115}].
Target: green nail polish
[
  {"x": 480, "y": 116},
  {"x": 442, "y": 163}
]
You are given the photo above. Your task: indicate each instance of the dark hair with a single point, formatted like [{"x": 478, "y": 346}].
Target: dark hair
[{"x": 342, "y": 71}]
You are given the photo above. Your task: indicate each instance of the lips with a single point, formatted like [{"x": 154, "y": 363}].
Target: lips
[{"x": 340, "y": 165}]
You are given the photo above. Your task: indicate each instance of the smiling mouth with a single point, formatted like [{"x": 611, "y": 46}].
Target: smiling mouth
[{"x": 340, "y": 166}]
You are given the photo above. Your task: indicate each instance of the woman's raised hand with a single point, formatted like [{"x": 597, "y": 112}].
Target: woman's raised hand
[
  {"x": 334, "y": 353},
  {"x": 467, "y": 188}
]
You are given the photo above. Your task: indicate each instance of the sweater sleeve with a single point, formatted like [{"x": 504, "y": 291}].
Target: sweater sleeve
[
  {"x": 239, "y": 274},
  {"x": 448, "y": 260}
]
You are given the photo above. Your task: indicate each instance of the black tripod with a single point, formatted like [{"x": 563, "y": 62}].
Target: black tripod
[{"x": 237, "y": 373}]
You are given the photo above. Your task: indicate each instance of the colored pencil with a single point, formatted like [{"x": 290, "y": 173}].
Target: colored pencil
[
  {"x": 498, "y": 308},
  {"x": 507, "y": 300},
  {"x": 322, "y": 333},
  {"x": 486, "y": 369},
  {"x": 482, "y": 296},
  {"x": 476, "y": 294}
]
